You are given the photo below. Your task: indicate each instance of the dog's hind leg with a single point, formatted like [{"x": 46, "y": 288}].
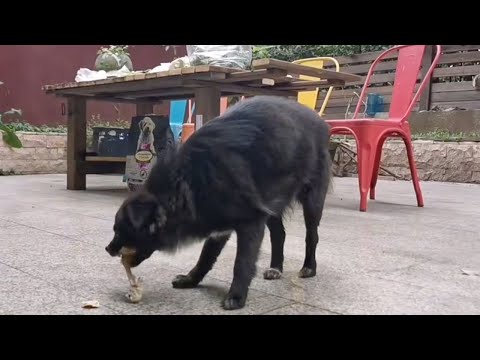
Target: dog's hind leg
[
  {"x": 277, "y": 239},
  {"x": 249, "y": 240},
  {"x": 313, "y": 200},
  {"x": 211, "y": 249}
]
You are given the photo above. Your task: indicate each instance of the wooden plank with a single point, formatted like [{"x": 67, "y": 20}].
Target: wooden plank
[
  {"x": 453, "y": 48},
  {"x": 469, "y": 105},
  {"x": 332, "y": 116},
  {"x": 307, "y": 85},
  {"x": 375, "y": 79},
  {"x": 164, "y": 91},
  {"x": 303, "y": 70},
  {"x": 76, "y": 143},
  {"x": 469, "y": 95},
  {"x": 365, "y": 57},
  {"x": 365, "y": 68},
  {"x": 207, "y": 103},
  {"x": 348, "y": 93},
  {"x": 426, "y": 65},
  {"x": 451, "y": 86},
  {"x": 245, "y": 90},
  {"x": 104, "y": 167},
  {"x": 219, "y": 69},
  {"x": 254, "y": 75},
  {"x": 105, "y": 159},
  {"x": 116, "y": 99},
  {"x": 456, "y": 71},
  {"x": 453, "y": 58},
  {"x": 344, "y": 102}
]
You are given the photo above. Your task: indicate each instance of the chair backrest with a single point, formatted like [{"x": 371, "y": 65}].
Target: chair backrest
[
  {"x": 309, "y": 98},
  {"x": 409, "y": 65},
  {"x": 178, "y": 109}
]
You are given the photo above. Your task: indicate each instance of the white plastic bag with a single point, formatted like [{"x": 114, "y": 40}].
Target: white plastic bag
[
  {"x": 160, "y": 68},
  {"x": 84, "y": 74},
  {"x": 232, "y": 56}
]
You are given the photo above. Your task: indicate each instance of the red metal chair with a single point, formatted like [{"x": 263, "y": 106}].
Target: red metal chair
[{"x": 370, "y": 134}]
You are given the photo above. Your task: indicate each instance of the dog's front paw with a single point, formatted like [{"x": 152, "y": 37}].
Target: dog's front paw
[
  {"x": 184, "y": 282},
  {"x": 234, "y": 302},
  {"x": 272, "y": 274},
  {"x": 307, "y": 272}
]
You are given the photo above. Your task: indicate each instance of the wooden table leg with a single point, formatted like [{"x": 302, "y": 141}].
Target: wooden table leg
[
  {"x": 144, "y": 109},
  {"x": 207, "y": 103},
  {"x": 76, "y": 143}
]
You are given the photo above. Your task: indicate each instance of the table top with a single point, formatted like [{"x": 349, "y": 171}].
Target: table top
[{"x": 267, "y": 77}]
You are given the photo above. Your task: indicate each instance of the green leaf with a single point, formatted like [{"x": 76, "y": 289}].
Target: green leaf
[{"x": 10, "y": 138}]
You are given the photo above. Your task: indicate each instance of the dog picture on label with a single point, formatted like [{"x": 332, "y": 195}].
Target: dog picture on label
[{"x": 146, "y": 139}]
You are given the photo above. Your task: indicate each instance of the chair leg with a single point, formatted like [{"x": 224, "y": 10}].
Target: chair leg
[
  {"x": 413, "y": 171},
  {"x": 376, "y": 167},
  {"x": 365, "y": 158}
]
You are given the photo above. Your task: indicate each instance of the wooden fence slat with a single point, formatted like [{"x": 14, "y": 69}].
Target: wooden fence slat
[
  {"x": 455, "y": 48},
  {"x": 365, "y": 57},
  {"x": 426, "y": 65},
  {"x": 451, "y": 86},
  {"x": 452, "y": 58},
  {"x": 456, "y": 71},
  {"x": 469, "y": 95},
  {"x": 469, "y": 105}
]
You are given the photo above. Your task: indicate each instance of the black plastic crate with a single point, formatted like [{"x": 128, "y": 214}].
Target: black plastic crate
[{"x": 111, "y": 142}]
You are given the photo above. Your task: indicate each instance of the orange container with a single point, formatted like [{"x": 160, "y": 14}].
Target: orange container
[{"x": 187, "y": 130}]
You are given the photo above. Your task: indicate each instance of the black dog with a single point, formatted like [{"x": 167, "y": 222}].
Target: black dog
[{"x": 239, "y": 172}]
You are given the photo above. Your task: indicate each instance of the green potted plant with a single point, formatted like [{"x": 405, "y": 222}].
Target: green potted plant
[{"x": 113, "y": 58}]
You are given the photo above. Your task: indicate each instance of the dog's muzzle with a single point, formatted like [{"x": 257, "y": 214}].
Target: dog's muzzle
[{"x": 112, "y": 250}]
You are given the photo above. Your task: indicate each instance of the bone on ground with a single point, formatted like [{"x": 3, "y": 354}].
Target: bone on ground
[{"x": 136, "y": 290}]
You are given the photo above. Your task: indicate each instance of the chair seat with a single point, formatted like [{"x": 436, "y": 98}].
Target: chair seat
[
  {"x": 344, "y": 126},
  {"x": 364, "y": 122}
]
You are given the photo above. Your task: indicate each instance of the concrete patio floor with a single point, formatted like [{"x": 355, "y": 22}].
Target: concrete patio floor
[{"x": 394, "y": 259}]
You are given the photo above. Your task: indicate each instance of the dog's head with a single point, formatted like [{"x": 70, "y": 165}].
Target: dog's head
[
  {"x": 139, "y": 228},
  {"x": 146, "y": 125}
]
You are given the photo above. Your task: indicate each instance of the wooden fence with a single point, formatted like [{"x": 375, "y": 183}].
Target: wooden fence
[{"x": 450, "y": 85}]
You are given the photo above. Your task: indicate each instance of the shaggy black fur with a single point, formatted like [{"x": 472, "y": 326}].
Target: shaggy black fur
[{"x": 239, "y": 172}]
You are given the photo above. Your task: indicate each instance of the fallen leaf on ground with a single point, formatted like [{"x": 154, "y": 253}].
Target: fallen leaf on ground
[
  {"x": 470, "y": 272},
  {"x": 93, "y": 304}
]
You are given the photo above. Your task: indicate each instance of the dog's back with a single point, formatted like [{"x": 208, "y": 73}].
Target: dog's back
[{"x": 256, "y": 157}]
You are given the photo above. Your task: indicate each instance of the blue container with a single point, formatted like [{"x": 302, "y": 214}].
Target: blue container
[{"x": 374, "y": 104}]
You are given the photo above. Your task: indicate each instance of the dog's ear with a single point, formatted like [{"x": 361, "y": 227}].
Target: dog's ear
[
  {"x": 140, "y": 124},
  {"x": 141, "y": 210}
]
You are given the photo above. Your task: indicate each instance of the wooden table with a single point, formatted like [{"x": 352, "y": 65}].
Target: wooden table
[{"x": 206, "y": 84}]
